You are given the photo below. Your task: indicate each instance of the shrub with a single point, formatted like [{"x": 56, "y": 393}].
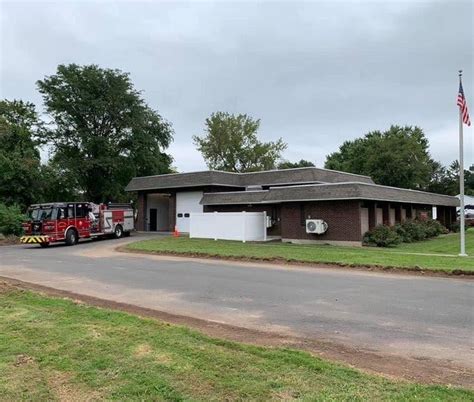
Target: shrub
[
  {"x": 456, "y": 227},
  {"x": 404, "y": 234},
  {"x": 382, "y": 236},
  {"x": 432, "y": 227},
  {"x": 414, "y": 231},
  {"x": 10, "y": 220}
]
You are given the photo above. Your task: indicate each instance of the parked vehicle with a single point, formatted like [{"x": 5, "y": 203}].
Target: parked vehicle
[{"x": 71, "y": 221}]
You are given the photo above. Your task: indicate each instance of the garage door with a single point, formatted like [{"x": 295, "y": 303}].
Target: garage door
[{"x": 186, "y": 203}]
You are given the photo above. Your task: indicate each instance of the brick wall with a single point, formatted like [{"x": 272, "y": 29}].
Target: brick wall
[{"x": 343, "y": 218}]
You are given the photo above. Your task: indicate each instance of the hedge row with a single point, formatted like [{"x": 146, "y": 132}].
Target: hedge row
[{"x": 406, "y": 232}]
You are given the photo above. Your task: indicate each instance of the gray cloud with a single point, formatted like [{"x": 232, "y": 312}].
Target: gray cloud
[{"x": 315, "y": 73}]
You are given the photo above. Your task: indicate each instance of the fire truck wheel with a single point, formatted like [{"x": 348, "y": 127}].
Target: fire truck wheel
[
  {"x": 44, "y": 245},
  {"x": 71, "y": 237},
  {"x": 118, "y": 231}
]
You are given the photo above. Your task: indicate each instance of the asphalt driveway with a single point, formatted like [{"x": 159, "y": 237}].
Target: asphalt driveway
[{"x": 396, "y": 314}]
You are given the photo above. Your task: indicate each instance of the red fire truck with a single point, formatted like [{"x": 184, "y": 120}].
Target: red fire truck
[{"x": 71, "y": 221}]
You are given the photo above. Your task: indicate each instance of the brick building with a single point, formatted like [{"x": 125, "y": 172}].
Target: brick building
[{"x": 350, "y": 204}]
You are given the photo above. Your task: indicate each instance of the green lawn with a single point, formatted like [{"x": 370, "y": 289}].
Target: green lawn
[
  {"x": 55, "y": 349},
  {"x": 444, "y": 244},
  {"x": 404, "y": 256}
]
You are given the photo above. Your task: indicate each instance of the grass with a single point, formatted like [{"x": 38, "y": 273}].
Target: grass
[
  {"x": 54, "y": 348},
  {"x": 444, "y": 244},
  {"x": 443, "y": 252}
]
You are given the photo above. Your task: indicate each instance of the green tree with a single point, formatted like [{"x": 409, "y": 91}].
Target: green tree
[
  {"x": 294, "y": 165},
  {"x": 103, "y": 132},
  {"x": 11, "y": 219},
  {"x": 445, "y": 180},
  {"x": 20, "y": 180},
  {"x": 469, "y": 180},
  {"x": 397, "y": 157},
  {"x": 58, "y": 184},
  {"x": 442, "y": 181},
  {"x": 230, "y": 143}
]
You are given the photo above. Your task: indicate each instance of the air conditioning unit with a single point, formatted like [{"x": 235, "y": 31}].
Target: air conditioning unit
[{"x": 316, "y": 226}]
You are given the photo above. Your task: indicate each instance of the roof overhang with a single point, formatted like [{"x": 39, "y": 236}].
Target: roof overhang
[
  {"x": 309, "y": 175},
  {"x": 329, "y": 192}
]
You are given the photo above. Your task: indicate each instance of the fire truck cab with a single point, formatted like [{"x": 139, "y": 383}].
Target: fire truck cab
[{"x": 71, "y": 221}]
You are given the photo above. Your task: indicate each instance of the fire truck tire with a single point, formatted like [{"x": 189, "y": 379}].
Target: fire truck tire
[
  {"x": 71, "y": 237},
  {"x": 44, "y": 245},
  {"x": 118, "y": 231}
]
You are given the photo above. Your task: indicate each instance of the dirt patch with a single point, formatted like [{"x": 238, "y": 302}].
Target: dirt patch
[
  {"x": 94, "y": 333},
  {"x": 162, "y": 358},
  {"x": 143, "y": 350},
  {"x": 22, "y": 360},
  {"x": 9, "y": 240},
  {"x": 430, "y": 371},
  {"x": 5, "y": 288},
  {"x": 287, "y": 395},
  {"x": 61, "y": 386},
  {"x": 418, "y": 271}
]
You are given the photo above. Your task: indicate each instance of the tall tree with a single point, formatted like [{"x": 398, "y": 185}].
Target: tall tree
[
  {"x": 397, "y": 157},
  {"x": 20, "y": 181},
  {"x": 58, "y": 184},
  {"x": 103, "y": 133},
  {"x": 294, "y": 165},
  {"x": 469, "y": 181},
  {"x": 230, "y": 143},
  {"x": 445, "y": 180}
]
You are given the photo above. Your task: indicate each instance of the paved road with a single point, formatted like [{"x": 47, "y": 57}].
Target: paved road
[{"x": 396, "y": 314}]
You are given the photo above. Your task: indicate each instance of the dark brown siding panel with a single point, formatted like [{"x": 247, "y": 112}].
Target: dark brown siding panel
[
  {"x": 141, "y": 208},
  {"x": 239, "y": 208},
  {"x": 343, "y": 218},
  {"x": 372, "y": 215}
]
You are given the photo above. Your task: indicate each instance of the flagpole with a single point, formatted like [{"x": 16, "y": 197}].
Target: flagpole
[{"x": 461, "y": 182}]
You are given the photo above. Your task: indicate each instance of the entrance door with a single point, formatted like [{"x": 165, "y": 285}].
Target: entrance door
[
  {"x": 275, "y": 215},
  {"x": 153, "y": 215}
]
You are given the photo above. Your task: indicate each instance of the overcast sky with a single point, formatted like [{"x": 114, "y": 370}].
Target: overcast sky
[{"x": 315, "y": 73}]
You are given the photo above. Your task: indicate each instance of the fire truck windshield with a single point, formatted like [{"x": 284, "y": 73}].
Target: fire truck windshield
[{"x": 39, "y": 214}]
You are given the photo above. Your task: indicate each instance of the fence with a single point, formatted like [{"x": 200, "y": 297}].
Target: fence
[{"x": 243, "y": 226}]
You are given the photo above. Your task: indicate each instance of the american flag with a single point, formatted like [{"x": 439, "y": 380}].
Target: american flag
[{"x": 463, "y": 106}]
